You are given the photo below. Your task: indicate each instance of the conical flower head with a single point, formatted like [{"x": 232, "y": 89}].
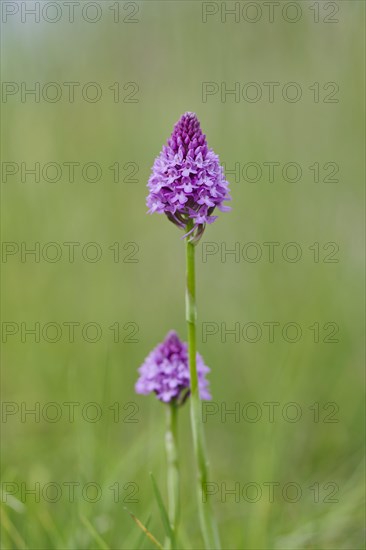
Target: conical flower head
[
  {"x": 165, "y": 371},
  {"x": 187, "y": 181}
]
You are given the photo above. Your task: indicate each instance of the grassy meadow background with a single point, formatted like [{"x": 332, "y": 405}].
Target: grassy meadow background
[{"x": 169, "y": 52}]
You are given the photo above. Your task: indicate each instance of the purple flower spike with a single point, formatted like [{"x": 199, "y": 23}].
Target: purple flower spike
[
  {"x": 165, "y": 371},
  {"x": 187, "y": 180}
]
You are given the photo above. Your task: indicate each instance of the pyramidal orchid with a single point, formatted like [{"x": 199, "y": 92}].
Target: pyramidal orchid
[
  {"x": 187, "y": 184},
  {"x": 165, "y": 372},
  {"x": 187, "y": 181}
]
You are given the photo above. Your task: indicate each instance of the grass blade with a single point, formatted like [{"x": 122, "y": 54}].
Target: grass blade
[
  {"x": 163, "y": 512},
  {"x": 10, "y": 528},
  {"x": 103, "y": 545},
  {"x": 144, "y": 529},
  {"x": 141, "y": 539}
]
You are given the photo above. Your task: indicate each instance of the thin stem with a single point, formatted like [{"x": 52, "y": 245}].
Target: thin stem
[
  {"x": 208, "y": 525},
  {"x": 171, "y": 445}
]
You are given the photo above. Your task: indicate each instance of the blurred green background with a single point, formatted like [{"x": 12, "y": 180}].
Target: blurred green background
[{"x": 169, "y": 52}]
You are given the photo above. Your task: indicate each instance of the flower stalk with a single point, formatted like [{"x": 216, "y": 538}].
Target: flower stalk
[
  {"x": 171, "y": 446},
  {"x": 207, "y": 522}
]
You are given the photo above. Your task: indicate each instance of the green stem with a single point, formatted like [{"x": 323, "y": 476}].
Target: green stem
[
  {"x": 171, "y": 445},
  {"x": 208, "y": 525}
]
